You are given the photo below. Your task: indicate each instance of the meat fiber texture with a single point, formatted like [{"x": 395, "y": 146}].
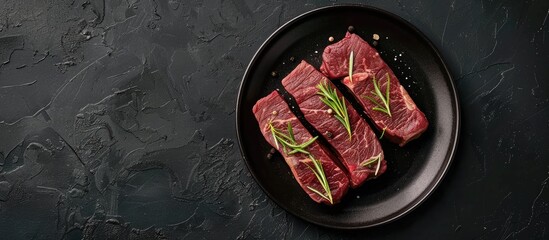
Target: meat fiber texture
[
  {"x": 353, "y": 152},
  {"x": 273, "y": 109},
  {"x": 406, "y": 122}
]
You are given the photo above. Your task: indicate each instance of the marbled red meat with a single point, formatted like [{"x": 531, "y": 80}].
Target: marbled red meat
[
  {"x": 354, "y": 150},
  {"x": 406, "y": 121},
  {"x": 272, "y": 109}
]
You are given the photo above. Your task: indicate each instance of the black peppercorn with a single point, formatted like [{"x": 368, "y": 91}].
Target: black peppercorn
[{"x": 351, "y": 29}]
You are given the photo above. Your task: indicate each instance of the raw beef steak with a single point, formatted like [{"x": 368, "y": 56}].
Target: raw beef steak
[
  {"x": 272, "y": 112},
  {"x": 401, "y": 121}
]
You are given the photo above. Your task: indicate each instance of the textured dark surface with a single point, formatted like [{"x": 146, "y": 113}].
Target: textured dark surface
[{"x": 117, "y": 120}]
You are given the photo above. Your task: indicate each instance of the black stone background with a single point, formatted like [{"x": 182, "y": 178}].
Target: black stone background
[{"x": 117, "y": 120}]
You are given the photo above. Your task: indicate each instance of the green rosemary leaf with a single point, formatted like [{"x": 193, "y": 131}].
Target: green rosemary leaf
[
  {"x": 378, "y": 165},
  {"x": 291, "y": 131},
  {"x": 378, "y": 91},
  {"x": 321, "y": 177},
  {"x": 373, "y": 101},
  {"x": 274, "y": 135},
  {"x": 318, "y": 177},
  {"x": 347, "y": 121},
  {"x": 387, "y": 91},
  {"x": 290, "y": 145},
  {"x": 297, "y": 150},
  {"x": 369, "y": 161},
  {"x": 309, "y": 142},
  {"x": 351, "y": 67},
  {"x": 384, "y": 105},
  {"x": 320, "y": 170},
  {"x": 382, "y": 133},
  {"x": 380, "y": 109},
  {"x": 373, "y": 160},
  {"x": 280, "y": 134},
  {"x": 320, "y": 194},
  {"x": 340, "y": 119}
]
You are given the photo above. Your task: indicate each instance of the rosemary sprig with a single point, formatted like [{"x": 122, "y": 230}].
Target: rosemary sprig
[
  {"x": 329, "y": 97},
  {"x": 384, "y": 105},
  {"x": 288, "y": 142},
  {"x": 351, "y": 60},
  {"x": 318, "y": 170},
  {"x": 373, "y": 160}
]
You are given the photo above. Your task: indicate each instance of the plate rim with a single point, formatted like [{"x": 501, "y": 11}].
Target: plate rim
[{"x": 453, "y": 91}]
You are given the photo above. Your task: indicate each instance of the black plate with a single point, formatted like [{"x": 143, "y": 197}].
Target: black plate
[{"x": 413, "y": 172}]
